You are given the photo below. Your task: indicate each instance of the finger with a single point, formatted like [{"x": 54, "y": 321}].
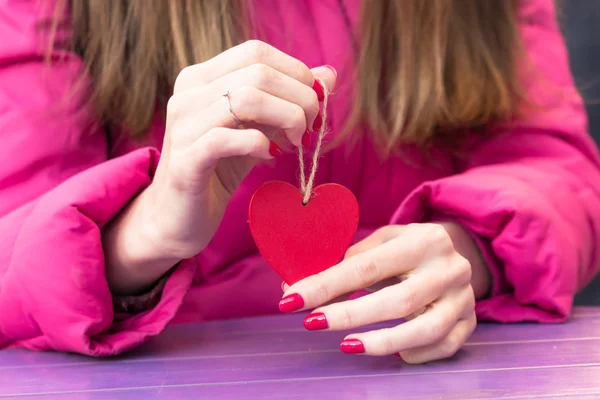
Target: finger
[
  {"x": 393, "y": 302},
  {"x": 249, "y": 104},
  {"x": 260, "y": 76},
  {"x": 284, "y": 303},
  {"x": 444, "y": 348},
  {"x": 374, "y": 239},
  {"x": 388, "y": 260},
  {"x": 220, "y": 143},
  {"x": 428, "y": 328},
  {"x": 241, "y": 56},
  {"x": 328, "y": 75},
  {"x": 416, "y": 313}
]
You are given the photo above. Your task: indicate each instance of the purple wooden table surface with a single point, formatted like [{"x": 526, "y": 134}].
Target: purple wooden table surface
[{"x": 275, "y": 358}]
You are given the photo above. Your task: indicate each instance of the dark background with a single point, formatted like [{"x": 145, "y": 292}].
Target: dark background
[{"x": 580, "y": 20}]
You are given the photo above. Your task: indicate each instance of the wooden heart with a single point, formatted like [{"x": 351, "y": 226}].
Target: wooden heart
[{"x": 300, "y": 240}]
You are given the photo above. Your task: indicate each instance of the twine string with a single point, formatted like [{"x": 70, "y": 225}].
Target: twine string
[{"x": 306, "y": 185}]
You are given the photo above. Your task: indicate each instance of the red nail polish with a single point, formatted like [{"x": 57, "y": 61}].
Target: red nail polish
[
  {"x": 397, "y": 355},
  {"x": 316, "y": 322},
  {"x": 291, "y": 303},
  {"x": 318, "y": 88},
  {"x": 318, "y": 122},
  {"x": 274, "y": 150},
  {"x": 306, "y": 139},
  {"x": 352, "y": 346},
  {"x": 332, "y": 69}
]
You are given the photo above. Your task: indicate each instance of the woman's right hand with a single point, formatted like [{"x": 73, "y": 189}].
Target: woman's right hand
[{"x": 206, "y": 155}]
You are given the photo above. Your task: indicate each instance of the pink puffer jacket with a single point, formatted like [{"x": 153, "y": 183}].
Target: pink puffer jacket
[{"x": 530, "y": 193}]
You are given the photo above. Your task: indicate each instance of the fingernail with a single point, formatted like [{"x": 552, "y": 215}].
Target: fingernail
[
  {"x": 397, "y": 355},
  {"x": 332, "y": 69},
  {"x": 318, "y": 122},
  {"x": 316, "y": 322},
  {"x": 306, "y": 139},
  {"x": 274, "y": 150},
  {"x": 291, "y": 303},
  {"x": 318, "y": 88},
  {"x": 352, "y": 346}
]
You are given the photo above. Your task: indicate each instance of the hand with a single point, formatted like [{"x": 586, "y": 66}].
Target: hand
[
  {"x": 415, "y": 273},
  {"x": 206, "y": 155}
]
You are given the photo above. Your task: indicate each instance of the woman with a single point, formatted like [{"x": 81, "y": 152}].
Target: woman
[{"x": 127, "y": 173}]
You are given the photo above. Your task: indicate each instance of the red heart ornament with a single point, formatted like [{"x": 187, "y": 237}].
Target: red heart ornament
[{"x": 301, "y": 240}]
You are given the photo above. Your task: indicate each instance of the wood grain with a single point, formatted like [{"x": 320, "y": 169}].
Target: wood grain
[{"x": 274, "y": 357}]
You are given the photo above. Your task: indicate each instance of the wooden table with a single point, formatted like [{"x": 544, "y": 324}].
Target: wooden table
[{"x": 275, "y": 358}]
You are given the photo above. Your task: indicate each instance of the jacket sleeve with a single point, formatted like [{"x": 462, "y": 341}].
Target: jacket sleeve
[
  {"x": 57, "y": 191},
  {"x": 530, "y": 191}
]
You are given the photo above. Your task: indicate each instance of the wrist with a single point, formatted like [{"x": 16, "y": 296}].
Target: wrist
[
  {"x": 167, "y": 225},
  {"x": 135, "y": 253}
]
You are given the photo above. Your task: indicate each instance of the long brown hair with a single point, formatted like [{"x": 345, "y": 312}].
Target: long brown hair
[{"x": 424, "y": 68}]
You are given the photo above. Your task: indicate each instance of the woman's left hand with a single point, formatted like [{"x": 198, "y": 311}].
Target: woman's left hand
[{"x": 415, "y": 273}]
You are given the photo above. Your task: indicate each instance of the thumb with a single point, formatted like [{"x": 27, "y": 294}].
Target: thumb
[{"x": 327, "y": 74}]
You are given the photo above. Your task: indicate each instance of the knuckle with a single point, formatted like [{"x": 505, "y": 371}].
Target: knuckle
[
  {"x": 211, "y": 142},
  {"x": 261, "y": 74},
  {"x": 347, "y": 319},
  {"x": 244, "y": 97},
  {"x": 174, "y": 107},
  {"x": 367, "y": 273},
  {"x": 177, "y": 113},
  {"x": 255, "y": 140},
  {"x": 407, "y": 303},
  {"x": 387, "y": 345},
  {"x": 322, "y": 292},
  {"x": 436, "y": 330},
  {"x": 438, "y": 235},
  {"x": 415, "y": 233},
  {"x": 461, "y": 268},
  {"x": 184, "y": 78},
  {"x": 449, "y": 346},
  {"x": 257, "y": 50},
  {"x": 298, "y": 116},
  {"x": 304, "y": 74}
]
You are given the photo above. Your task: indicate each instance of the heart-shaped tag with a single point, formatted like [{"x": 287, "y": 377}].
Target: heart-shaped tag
[{"x": 301, "y": 240}]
